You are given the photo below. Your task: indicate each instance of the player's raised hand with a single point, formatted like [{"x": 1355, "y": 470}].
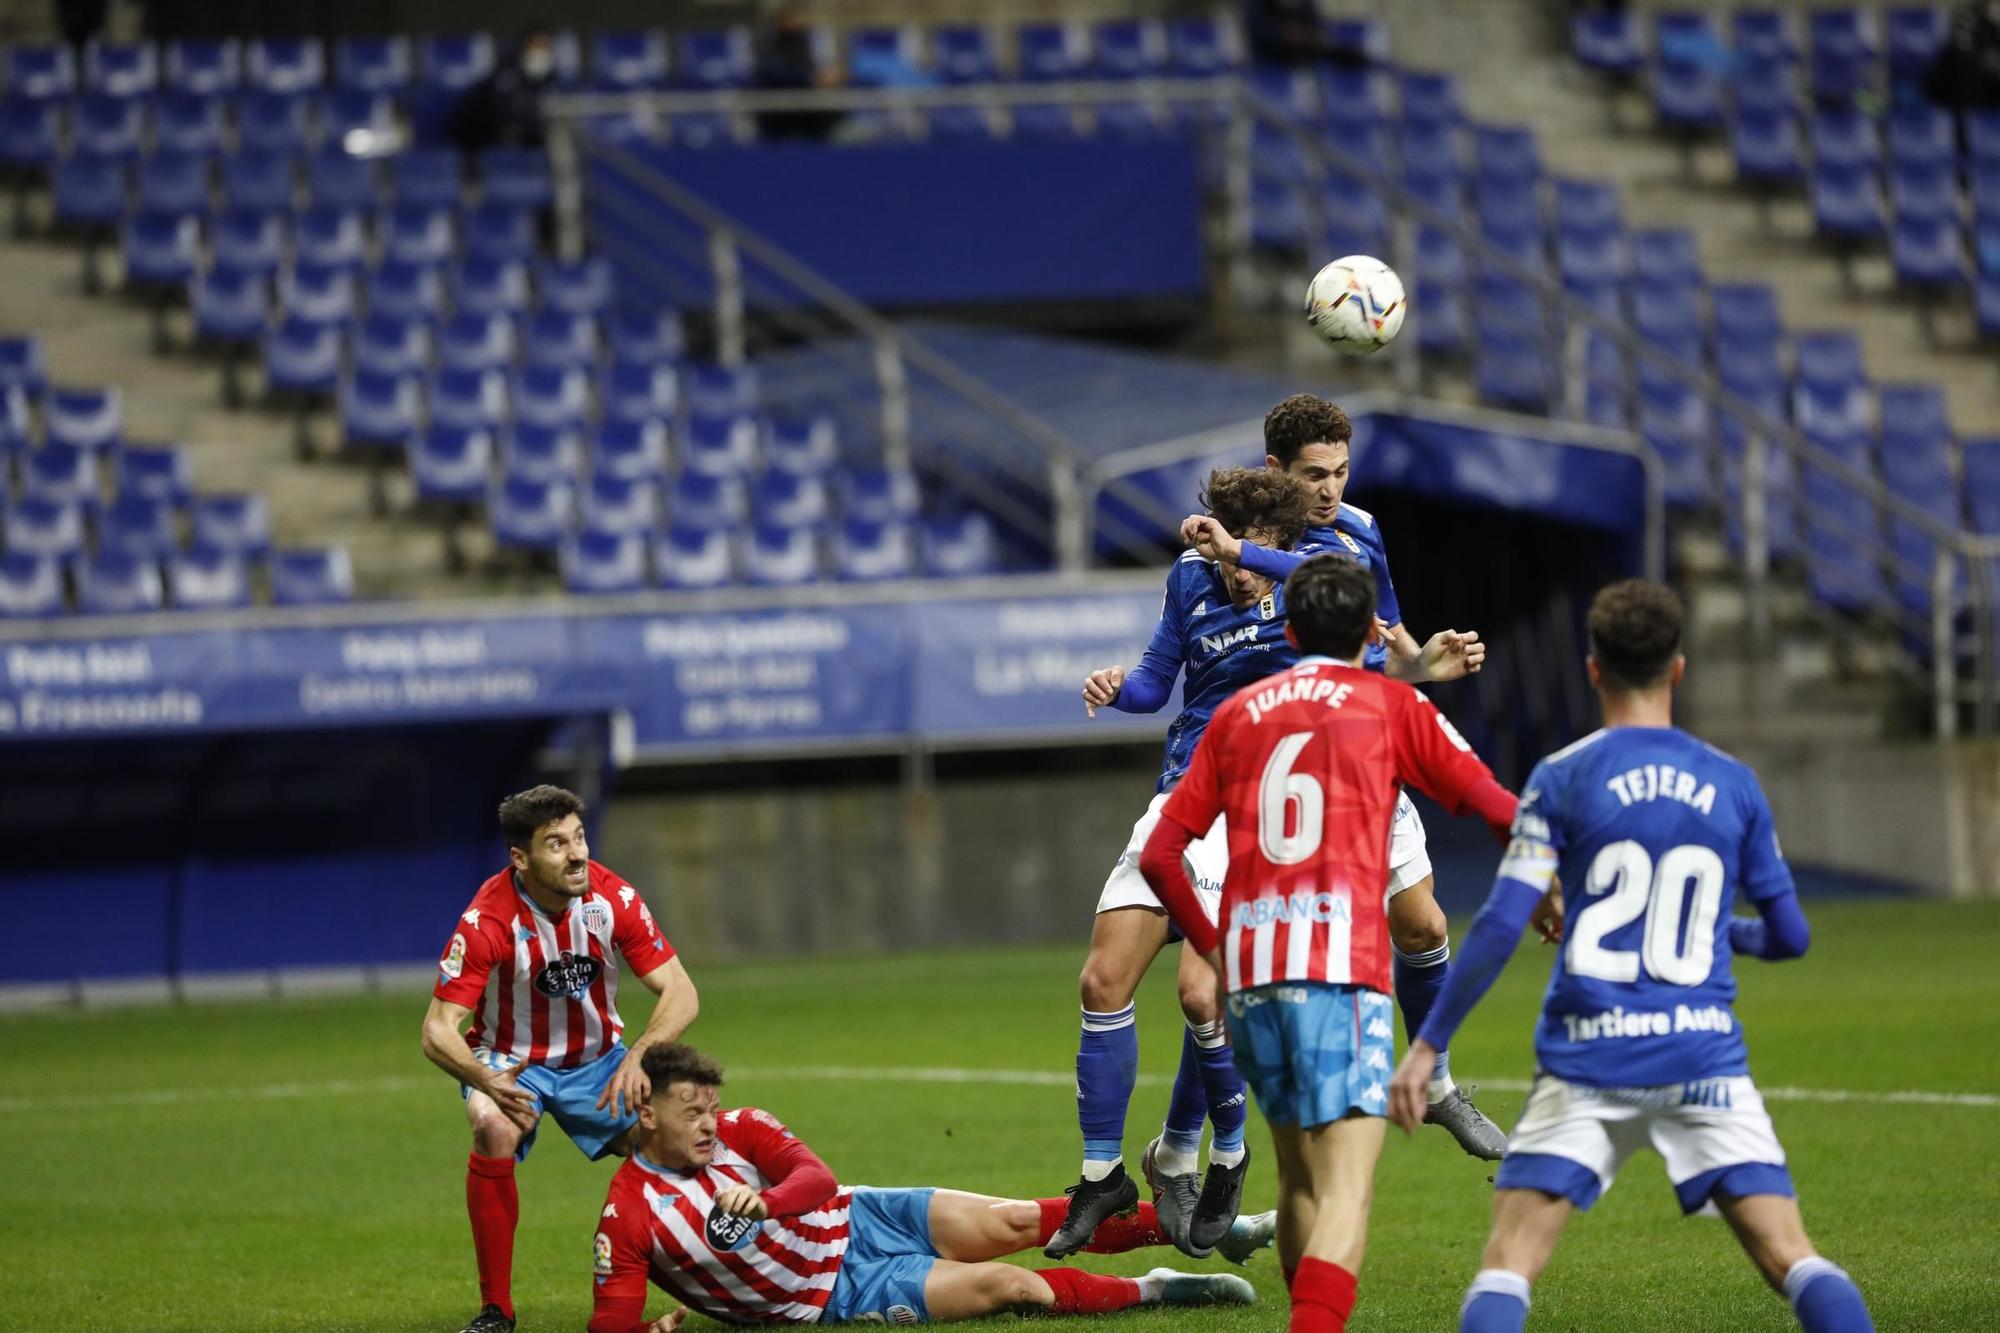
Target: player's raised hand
[
  {"x": 1101, "y": 688},
  {"x": 669, "y": 1321},
  {"x": 1210, "y": 539},
  {"x": 1453, "y": 654},
  {"x": 1410, "y": 1089},
  {"x": 1548, "y": 915},
  {"x": 514, "y": 1101},
  {"x": 742, "y": 1201},
  {"x": 627, "y": 1088},
  {"x": 1385, "y": 633}
]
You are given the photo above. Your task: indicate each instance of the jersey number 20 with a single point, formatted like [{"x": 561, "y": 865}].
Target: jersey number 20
[{"x": 1687, "y": 877}]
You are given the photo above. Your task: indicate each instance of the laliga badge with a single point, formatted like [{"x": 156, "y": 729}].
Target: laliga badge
[
  {"x": 600, "y": 1250},
  {"x": 454, "y": 959}
]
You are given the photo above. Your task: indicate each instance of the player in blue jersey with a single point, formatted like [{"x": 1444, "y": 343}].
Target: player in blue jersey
[
  {"x": 1652, "y": 835},
  {"x": 1309, "y": 438},
  {"x": 1223, "y": 628}
]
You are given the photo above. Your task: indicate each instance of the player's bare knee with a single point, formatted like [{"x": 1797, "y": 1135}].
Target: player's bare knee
[
  {"x": 1417, "y": 924},
  {"x": 1103, "y": 986},
  {"x": 1016, "y": 1225},
  {"x": 1011, "y": 1288},
  {"x": 494, "y": 1135},
  {"x": 1198, "y": 1000},
  {"x": 1775, "y": 1254}
]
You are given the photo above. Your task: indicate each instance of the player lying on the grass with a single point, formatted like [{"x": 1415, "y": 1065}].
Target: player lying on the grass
[
  {"x": 730, "y": 1213},
  {"x": 531, "y": 964},
  {"x": 1651, "y": 834},
  {"x": 1307, "y": 766},
  {"x": 1309, "y": 438},
  {"x": 1223, "y": 628}
]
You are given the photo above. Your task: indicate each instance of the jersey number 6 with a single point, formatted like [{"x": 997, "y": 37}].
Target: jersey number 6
[
  {"x": 1636, "y": 885},
  {"x": 1285, "y": 798}
]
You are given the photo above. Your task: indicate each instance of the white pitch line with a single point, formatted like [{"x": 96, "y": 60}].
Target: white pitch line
[{"x": 1032, "y": 1078}]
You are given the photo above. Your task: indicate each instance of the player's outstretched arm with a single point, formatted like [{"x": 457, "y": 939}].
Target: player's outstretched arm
[
  {"x": 1449, "y": 654},
  {"x": 1146, "y": 686},
  {"x": 675, "y": 1009}
]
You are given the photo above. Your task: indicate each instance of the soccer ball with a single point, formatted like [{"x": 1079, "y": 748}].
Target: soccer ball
[{"x": 1356, "y": 304}]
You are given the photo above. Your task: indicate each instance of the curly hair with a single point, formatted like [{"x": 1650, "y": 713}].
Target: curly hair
[
  {"x": 1301, "y": 420},
  {"x": 1635, "y": 633},
  {"x": 676, "y": 1063},
  {"x": 1247, "y": 499},
  {"x": 525, "y": 811}
]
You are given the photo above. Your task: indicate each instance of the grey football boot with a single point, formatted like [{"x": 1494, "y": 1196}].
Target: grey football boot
[
  {"x": 1465, "y": 1122},
  {"x": 1175, "y": 1198}
]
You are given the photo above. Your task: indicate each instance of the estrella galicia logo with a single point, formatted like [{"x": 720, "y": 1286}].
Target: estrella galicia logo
[
  {"x": 727, "y": 1231},
  {"x": 571, "y": 974}
]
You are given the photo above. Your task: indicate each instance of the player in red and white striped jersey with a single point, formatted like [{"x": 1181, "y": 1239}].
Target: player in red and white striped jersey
[
  {"x": 1307, "y": 766},
  {"x": 730, "y": 1213},
  {"x": 531, "y": 964}
]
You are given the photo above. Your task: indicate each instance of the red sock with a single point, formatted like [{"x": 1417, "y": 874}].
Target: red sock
[
  {"x": 1114, "y": 1235},
  {"x": 1322, "y": 1297},
  {"x": 494, "y": 1206},
  {"x": 1078, "y": 1292}
]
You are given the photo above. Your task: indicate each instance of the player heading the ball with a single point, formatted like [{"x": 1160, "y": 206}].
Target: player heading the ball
[{"x": 1651, "y": 834}]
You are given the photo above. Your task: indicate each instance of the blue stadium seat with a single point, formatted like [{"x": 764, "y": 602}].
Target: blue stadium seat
[
  {"x": 325, "y": 236},
  {"x": 542, "y": 450},
  {"x": 789, "y": 499},
  {"x": 1828, "y": 357},
  {"x": 878, "y": 494},
  {"x": 528, "y": 515},
  {"x": 275, "y": 122},
  {"x": 1201, "y": 47},
  {"x": 426, "y": 177},
  {"x": 707, "y": 500},
  {"x": 318, "y": 293},
  {"x": 114, "y": 583},
  {"x": 1982, "y": 139},
  {"x": 1129, "y": 48},
  {"x": 1767, "y": 147},
  {"x": 237, "y": 523},
  {"x": 472, "y": 341},
  {"x": 1665, "y": 254},
  {"x": 30, "y": 586},
  {"x": 346, "y": 113},
  {"x": 717, "y": 390},
  {"x": 302, "y": 355},
  {"x": 1836, "y": 417},
  {"x": 805, "y": 443},
  {"x": 960, "y": 544},
  {"x": 552, "y": 396},
  {"x": 230, "y": 305},
  {"x": 1354, "y": 100},
  {"x": 1745, "y": 310},
  {"x": 612, "y": 503},
  {"x": 692, "y": 557},
  {"x": 885, "y": 57},
  {"x": 1511, "y": 373},
  {"x": 723, "y": 445},
  {"x": 44, "y": 527},
  {"x": 380, "y": 411},
  {"x": 1509, "y": 206},
  {"x": 372, "y": 63},
  {"x": 453, "y": 62},
  {"x": 715, "y": 58},
  {"x": 255, "y": 179},
  {"x": 186, "y": 122},
  {"x": 417, "y": 233},
  {"x": 61, "y": 472},
  {"x": 631, "y": 450},
  {"x": 1607, "y": 41},
  {"x": 452, "y": 465},
  {"x": 640, "y": 391},
  {"x": 500, "y": 231},
  {"x": 1446, "y": 328},
  {"x": 868, "y": 552},
  {"x": 101, "y": 126},
  {"x": 1590, "y": 259},
  {"x": 174, "y": 183},
  {"x": 40, "y": 71},
  {"x": 1051, "y": 52},
  {"x": 336, "y": 178},
  {"x": 560, "y": 338},
  {"x": 778, "y": 556},
  {"x": 487, "y": 287},
  {"x": 1428, "y": 98},
  {"x": 709, "y": 129},
  {"x": 1845, "y": 138},
  {"x": 406, "y": 291},
  {"x": 1843, "y": 53},
  {"x": 651, "y": 336},
  {"x": 1981, "y": 460},
  {"x": 16, "y": 427},
  {"x": 30, "y": 133},
  {"x": 88, "y": 418},
  {"x": 1286, "y": 90},
  {"x": 161, "y": 249},
  {"x": 1764, "y": 37},
  {"x": 628, "y": 59},
  {"x": 392, "y": 344},
  {"x": 1357, "y": 220},
  {"x": 248, "y": 240},
  {"x": 1506, "y": 152},
  {"x": 1928, "y": 252},
  {"x": 581, "y": 286},
  {"x": 1687, "y": 97},
  {"x": 311, "y": 576},
  {"x": 961, "y": 124},
  {"x": 1916, "y": 446},
  {"x": 1922, "y": 135},
  {"x": 1927, "y": 191},
  {"x": 208, "y": 580},
  {"x": 964, "y": 53},
  {"x": 516, "y": 178},
  {"x": 1431, "y": 153},
  {"x": 468, "y": 398},
  {"x": 138, "y": 525},
  {"x": 1366, "y": 38},
  {"x": 1843, "y": 534},
  {"x": 121, "y": 69},
  {"x": 1986, "y": 303},
  {"x": 596, "y": 561},
  {"x": 1913, "y": 35},
  {"x": 1675, "y": 421},
  {"x": 156, "y": 471},
  {"x": 1847, "y": 203},
  {"x": 284, "y": 64}
]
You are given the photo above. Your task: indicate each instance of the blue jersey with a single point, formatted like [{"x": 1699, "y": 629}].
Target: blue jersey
[
  {"x": 1353, "y": 534},
  {"x": 1652, "y": 833},
  {"x": 1220, "y": 647}
]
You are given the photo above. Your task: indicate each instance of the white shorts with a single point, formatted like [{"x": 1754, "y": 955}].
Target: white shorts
[
  {"x": 1409, "y": 853},
  {"x": 1206, "y": 860},
  {"x": 1714, "y": 1134}
]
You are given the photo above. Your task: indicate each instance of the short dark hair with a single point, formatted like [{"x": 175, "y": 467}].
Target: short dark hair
[
  {"x": 1301, "y": 420},
  {"x": 1245, "y": 499},
  {"x": 673, "y": 1062},
  {"x": 525, "y": 811},
  {"x": 1330, "y": 604},
  {"x": 1635, "y": 633}
]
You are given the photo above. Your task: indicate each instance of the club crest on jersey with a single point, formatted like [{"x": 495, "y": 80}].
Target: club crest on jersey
[
  {"x": 571, "y": 974},
  {"x": 1349, "y": 542},
  {"x": 1268, "y": 608},
  {"x": 454, "y": 958},
  {"x": 597, "y": 919},
  {"x": 600, "y": 1253},
  {"x": 727, "y": 1231}
]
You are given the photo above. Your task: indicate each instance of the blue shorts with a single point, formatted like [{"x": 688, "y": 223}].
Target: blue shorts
[
  {"x": 889, "y": 1255},
  {"x": 1313, "y": 1052},
  {"x": 570, "y": 1095}
]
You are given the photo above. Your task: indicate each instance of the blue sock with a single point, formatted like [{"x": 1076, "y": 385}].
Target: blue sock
[
  {"x": 1107, "y": 1067},
  {"x": 1825, "y": 1298},
  {"x": 1228, "y": 1100},
  {"x": 1419, "y": 979},
  {"x": 1188, "y": 1110},
  {"x": 1496, "y": 1302}
]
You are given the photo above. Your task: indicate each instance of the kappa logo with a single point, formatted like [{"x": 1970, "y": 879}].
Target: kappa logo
[
  {"x": 626, "y": 894},
  {"x": 472, "y": 916},
  {"x": 610, "y": 1210},
  {"x": 1377, "y": 1060},
  {"x": 571, "y": 974},
  {"x": 1378, "y": 1029},
  {"x": 454, "y": 958},
  {"x": 727, "y": 1231}
]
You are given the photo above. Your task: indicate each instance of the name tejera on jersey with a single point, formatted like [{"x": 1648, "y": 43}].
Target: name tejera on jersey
[
  {"x": 1618, "y": 1021},
  {"x": 1663, "y": 782}
]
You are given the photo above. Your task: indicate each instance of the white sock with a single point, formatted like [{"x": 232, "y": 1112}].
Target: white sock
[
  {"x": 1099, "y": 1170},
  {"x": 1227, "y": 1156},
  {"x": 1153, "y": 1285},
  {"x": 1171, "y": 1161},
  {"x": 1500, "y": 1281},
  {"x": 1442, "y": 1088}
]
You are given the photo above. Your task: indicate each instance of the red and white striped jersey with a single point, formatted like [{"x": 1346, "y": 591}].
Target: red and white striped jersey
[
  {"x": 544, "y": 988},
  {"x": 1306, "y": 765},
  {"x": 661, "y": 1224}
]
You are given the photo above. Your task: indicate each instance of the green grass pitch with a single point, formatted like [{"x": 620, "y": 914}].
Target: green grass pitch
[{"x": 299, "y": 1165}]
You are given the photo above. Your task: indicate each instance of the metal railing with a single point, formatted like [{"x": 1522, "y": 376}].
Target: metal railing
[{"x": 1235, "y": 112}]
